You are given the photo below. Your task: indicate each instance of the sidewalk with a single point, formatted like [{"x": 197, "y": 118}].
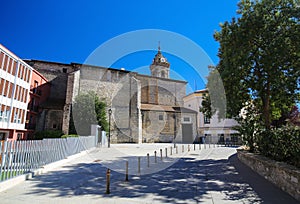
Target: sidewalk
[{"x": 209, "y": 175}]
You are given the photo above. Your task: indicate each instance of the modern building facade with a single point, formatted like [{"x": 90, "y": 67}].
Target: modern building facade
[
  {"x": 15, "y": 77},
  {"x": 212, "y": 129}
]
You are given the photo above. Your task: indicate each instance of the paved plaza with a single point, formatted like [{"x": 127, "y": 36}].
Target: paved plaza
[{"x": 211, "y": 174}]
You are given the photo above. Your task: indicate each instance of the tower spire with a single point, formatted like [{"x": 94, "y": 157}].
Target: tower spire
[
  {"x": 160, "y": 67},
  {"x": 159, "y": 46}
]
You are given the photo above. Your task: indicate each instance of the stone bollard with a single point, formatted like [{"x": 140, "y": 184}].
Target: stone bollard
[
  {"x": 155, "y": 159},
  {"x": 161, "y": 154},
  {"x": 126, "y": 173},
  {"x": 108, "y": 181},
  {"x": 188, "y": 148},
  {"x": 182, "y": 148},
  {"x": 166, "y": 150},
  {"x": 139, "y": 166},
  {"x": 194, "y": 147},
  {"x": 171, "y": 151},
  {"x": 148, "y": 160},
  {"x": 176, "y": 149}
]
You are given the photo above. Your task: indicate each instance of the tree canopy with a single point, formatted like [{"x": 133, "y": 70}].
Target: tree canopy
[
  {"x": 88, "y": 109},
  {"x": 260, "y": 58}
]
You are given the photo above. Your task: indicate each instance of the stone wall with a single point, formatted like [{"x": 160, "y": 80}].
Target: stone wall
[
  {"x": 56, "y": 111},
  {"x": 121, "y": 92},
  {"x": 162, "y": 91},
  {"x": 284, "y": 176},
  {"x": 155, "y": 130}
]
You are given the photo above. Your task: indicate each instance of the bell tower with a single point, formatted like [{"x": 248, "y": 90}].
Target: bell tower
[{"x": 160, "y": 67}]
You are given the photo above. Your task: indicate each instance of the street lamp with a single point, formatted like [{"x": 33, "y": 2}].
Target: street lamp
[{"x": 109, "y": 115}]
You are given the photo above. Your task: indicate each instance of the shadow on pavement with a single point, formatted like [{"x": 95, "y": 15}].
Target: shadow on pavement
[
  {"x": 187, "y": 180},
  {"x": 268, "y": 192}
]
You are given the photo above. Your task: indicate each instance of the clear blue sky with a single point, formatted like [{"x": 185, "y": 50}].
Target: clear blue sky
[{"x": 69, "y": 31}]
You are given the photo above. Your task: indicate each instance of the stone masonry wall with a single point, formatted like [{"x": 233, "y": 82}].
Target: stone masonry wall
[
  {"x": 162, "y": 91},
  {"x": 120, "y": 91},
  {"x": 284, "y": 176}
]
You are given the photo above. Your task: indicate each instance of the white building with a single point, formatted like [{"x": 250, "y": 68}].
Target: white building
[
  {"x": 212, "y": 129},
  {"x": 15, "y": 76}
]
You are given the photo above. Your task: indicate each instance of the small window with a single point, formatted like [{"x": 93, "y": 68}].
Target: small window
[
  {"x": 161, "y": 117},
  {"x": 19, "y": 136},
  {"x": 206, "y": 120},
  {"x": 54, "y": 126},
  {"x": 65, "y": 70},
  {"x": 186, "y": 119},
  {"x": 2, "y": 135}
]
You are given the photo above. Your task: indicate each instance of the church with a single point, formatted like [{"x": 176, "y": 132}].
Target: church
[{"x": 144, "y": 109}]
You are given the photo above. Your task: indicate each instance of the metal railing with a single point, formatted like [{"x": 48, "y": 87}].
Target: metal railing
[{"x": 20, "y": 157}]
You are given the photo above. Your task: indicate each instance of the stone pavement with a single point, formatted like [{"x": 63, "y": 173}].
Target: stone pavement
[{"x": 210, "y": 175}]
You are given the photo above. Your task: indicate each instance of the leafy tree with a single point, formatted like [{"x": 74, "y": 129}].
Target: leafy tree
[
  {"x": 215, "y": 101},
  {"x": 88, "y": 109},
  {"x": 260, "y": 58}
]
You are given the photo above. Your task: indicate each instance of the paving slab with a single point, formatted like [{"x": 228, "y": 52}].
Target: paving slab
[{"x": 209, "y": 175}]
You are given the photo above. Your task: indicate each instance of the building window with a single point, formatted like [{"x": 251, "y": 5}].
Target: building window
[
  {"x": 2, "y": 136},
  {"x": 19, "y": 136},
  {"x": 206, "y": 120},
  {"x": 54, "y": 126},
  {"x": 36, "y": 84},
  {"x": 186, "y": 119},
  {"x": 221, "y": 138},
  {"x": 1, "y": 115},
  {"x": 4, "y": 113},
  {"x": 161, "y": 117},
  {"x": 64, "y": 70}
]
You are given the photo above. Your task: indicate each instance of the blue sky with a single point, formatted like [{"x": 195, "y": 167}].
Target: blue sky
[{"x": 69, "y": 31}]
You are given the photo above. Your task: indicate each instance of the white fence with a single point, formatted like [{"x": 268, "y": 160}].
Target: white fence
[{"x": 20, "y": 157}]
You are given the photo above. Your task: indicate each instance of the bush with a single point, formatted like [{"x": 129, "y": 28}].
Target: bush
[
  {"x": 281, "y": 144},
  {"x": 48, "y": 134}
]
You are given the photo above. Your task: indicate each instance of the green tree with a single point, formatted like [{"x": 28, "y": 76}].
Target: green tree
[
  {"x": 260, "y": 58},
  {"x": 88, "y": 109}
]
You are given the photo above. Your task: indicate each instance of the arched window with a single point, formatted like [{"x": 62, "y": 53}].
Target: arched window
[{"x": 163, "y": 74}]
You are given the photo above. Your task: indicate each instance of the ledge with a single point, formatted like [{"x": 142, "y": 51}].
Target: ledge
[{"x": 284, "y": 176}]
